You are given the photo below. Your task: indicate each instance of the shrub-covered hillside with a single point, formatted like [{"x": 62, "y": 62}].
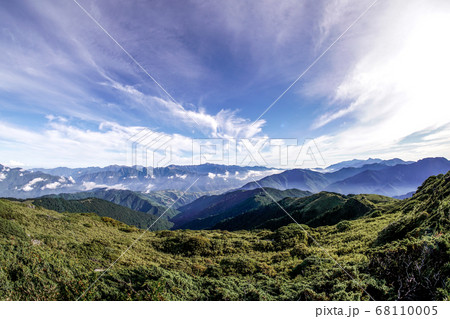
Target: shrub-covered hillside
[
  {"x": 400, "y": 251},
  {"x": 146, "y": 203},
  {"x": 105, "y": 208},
  {"x": 316, "y": 210},
  {"x": 207, "y": 211}
]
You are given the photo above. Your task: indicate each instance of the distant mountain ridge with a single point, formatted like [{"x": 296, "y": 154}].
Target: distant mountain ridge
[
  {"x": 386, "y": 177},
  {"x": 209, "y": 178},
  {"x": 18, "y": 182},
  {"x": 375, "y": 178},
  {"x": 393, "y": 181},
  {"x": 359, "y": 163}
]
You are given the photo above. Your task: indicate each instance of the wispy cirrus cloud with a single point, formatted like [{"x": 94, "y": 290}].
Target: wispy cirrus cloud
[
  {"x": 225, "y": 124},
  {"x": 395, "y": 86},
  {"x": 74, "y": 70},
  {"x": 224, "y": 63}
]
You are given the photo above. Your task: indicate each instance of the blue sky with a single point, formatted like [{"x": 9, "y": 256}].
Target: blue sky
[{"x": 69, "y": 96}]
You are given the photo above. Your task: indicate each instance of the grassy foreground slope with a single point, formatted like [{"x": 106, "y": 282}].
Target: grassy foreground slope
[{"x": 400, "y": 252}]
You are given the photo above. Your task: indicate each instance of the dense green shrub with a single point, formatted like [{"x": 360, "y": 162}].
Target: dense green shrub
[
  {"x": 415, "y": 271},
  {"x": 289, "y": 236},
  {"x": 343, "y": 226},
  {"x": 111, "y": 221},
  {"x": 9, "y": 228},
  {"x": 264, "y": 245},
  {"x": 6, "y": 210},
  {"x": 240, "y": 265},
  {"x": 300, "y": 251},
  {"x": 186, "y": 245},
  {"x": 128, "y": 229},
  {"x": 197, "y": 245},
  {"x": 304, "y": 265}
]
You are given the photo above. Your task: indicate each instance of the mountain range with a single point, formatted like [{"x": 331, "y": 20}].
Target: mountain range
[
  {"x": 211, "y": 178},
  {"x": 18, "y": 182},
  {"x": 359, "y": 163},
  {"x": 164, "y": 186},
  {"x": 379, "y": 178}
]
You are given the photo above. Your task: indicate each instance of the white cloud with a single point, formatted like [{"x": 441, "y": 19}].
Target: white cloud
[
  {"x": 77, "y": 147},
  {"x": 51, "y": 117},
  {"x": 62, "y": 77},
  {"x": 2, "y": 177},
  {"x": 397, "y": 85},
  {"x": 149, "y": 188},
  {"x": 331, "y": 116},
  {"x": 386, "y": 78},
  {"x": 225, "y": 124},
  {"x": 53, "y": 185},
  {"x": 211, "y": 175},
  {"x": 222, "y": 176},
  {"x": 252, "y": 174},
  {"x": 13, "y": 163},
  {"x": 29, "y": 186},
  {"x": 87, "y": 186}
]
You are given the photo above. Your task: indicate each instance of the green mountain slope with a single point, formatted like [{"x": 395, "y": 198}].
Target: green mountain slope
[
  {"x": 427, "y": 212},
  {"x": 133, "y": 200},
  {"x": 104, "y": 208},
  {"x": 207, "y": 211},
  {"x": 315, "y": 210},
  {"x": 412, "y": 254}
]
